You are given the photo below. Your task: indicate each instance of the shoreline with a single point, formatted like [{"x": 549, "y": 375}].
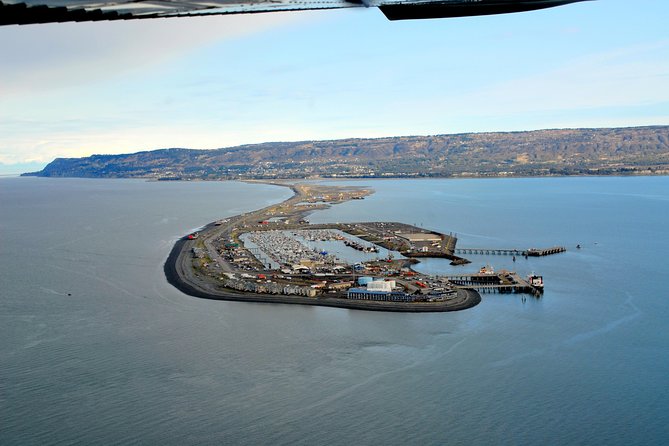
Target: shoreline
[{"x": 179, "y": 273}]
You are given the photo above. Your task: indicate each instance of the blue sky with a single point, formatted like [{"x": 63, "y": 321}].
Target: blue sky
[{"x": 69, "y": 90}]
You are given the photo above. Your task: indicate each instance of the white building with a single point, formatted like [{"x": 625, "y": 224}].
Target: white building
[{"x": 380, "y": 285}]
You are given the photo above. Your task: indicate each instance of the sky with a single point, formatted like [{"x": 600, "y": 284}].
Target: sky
[{"x": 77, "y": 89}]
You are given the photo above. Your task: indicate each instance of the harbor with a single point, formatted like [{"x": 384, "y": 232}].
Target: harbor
[{"x": 275, "y": 255}]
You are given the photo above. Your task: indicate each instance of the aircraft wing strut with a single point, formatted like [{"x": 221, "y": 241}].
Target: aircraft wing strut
[{"x": 23, "y": 12}]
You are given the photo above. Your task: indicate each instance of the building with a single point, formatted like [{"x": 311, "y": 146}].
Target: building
[
  {"x": 339, "y": 285},
  {"x": 379, "y": 285},
  {"x": 365, "y": 280},
  {"x": 414, "y": 237},
  {"x": 379, "y": 295}
]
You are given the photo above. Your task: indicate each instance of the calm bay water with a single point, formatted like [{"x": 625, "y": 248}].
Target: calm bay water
[{"x": 96, "y": 347}]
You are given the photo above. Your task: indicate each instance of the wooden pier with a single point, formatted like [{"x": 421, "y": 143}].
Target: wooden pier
[
  {"x": 531, "y": 252},
  {"x": 503, "y": 282}
]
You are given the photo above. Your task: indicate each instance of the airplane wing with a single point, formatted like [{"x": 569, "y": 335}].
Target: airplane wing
[{"x": 23, "y": 12}]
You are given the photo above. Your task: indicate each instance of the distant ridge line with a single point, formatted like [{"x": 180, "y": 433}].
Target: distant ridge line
[{"x": 584, "y": 151}]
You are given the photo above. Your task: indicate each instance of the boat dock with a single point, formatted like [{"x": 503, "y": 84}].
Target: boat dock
[
  {"x": 531, "y": 252},
  {"x": 502, "y": 282}
]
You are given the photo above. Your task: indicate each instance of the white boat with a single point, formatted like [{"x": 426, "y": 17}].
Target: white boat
[
  {"x": 487, "y": 270},
  {"x": 536, "y": 281}
]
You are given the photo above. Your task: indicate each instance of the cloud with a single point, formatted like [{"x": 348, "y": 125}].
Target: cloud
[
  {"x": 625, "y": 77},
  {"x": 312, "y": 81},
  {"x": 47, "y": 57}
]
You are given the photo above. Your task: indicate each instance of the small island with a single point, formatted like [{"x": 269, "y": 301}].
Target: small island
[{"x": 274, "y": 255}]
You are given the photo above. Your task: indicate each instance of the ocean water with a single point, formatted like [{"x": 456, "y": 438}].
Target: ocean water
[{"x": 97, "y": 348}]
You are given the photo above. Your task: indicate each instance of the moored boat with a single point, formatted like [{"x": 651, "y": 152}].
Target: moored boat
[{"x": 536, "y": 281}]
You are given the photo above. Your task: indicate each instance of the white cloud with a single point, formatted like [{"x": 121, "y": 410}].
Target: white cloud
[
  {"x": 301, "y": 83},
  {"x": 626, "y": 77},
  {"x": 47, "y": 57}
]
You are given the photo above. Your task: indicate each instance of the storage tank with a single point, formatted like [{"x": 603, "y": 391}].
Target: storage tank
[{"x": 365, "y": 280}]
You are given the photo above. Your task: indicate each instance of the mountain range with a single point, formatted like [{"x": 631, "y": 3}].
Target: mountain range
[{"x": 604, "y": 151}]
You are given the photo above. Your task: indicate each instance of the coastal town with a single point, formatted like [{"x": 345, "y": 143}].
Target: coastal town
[{"x": 276, "y": 255}]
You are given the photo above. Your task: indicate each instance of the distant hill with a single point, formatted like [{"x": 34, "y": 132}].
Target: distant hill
[{"x": 636, "y": 150}]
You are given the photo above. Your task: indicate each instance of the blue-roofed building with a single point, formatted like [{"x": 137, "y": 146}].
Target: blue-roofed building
[{"x": 386, "y": 296}]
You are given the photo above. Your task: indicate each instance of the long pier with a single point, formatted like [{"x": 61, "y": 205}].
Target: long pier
[{"x": 531, "y": 252}]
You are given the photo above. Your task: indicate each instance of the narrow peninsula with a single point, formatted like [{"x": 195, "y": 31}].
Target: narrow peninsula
[{"x": 274, "y": 255}]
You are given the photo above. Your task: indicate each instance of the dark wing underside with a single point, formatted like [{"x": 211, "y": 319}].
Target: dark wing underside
[{"x": 22, "y": 12}]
